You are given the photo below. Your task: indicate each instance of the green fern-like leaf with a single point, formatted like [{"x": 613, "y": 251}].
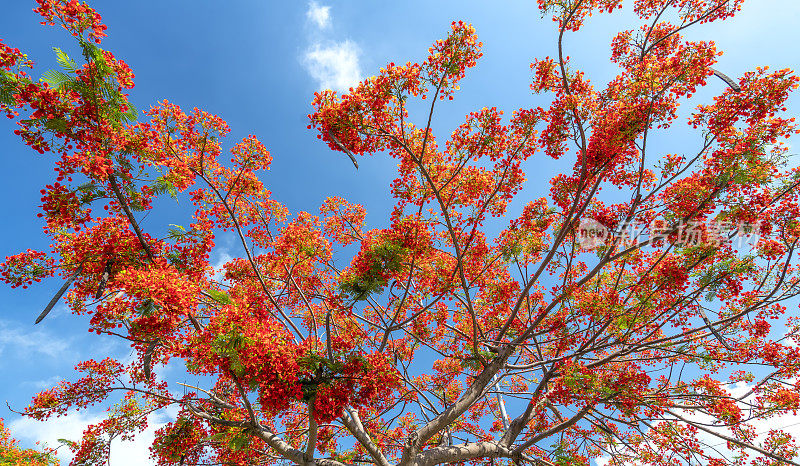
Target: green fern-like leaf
[
  {"x": 131, "y": 115},
  {"x": 56, "y": 79},
  {"x": 56, "y": 124},
  {"x": 6, "y": 96},
  {"x": 66, "y": 63},
  {"x": 220, "y": 297},
  {"x": 93, "y": 53},
  {"x": 162, "y": 185}
]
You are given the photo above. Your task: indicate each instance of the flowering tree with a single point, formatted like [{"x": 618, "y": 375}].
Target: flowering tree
[
  {"x": 12, "y": 455},
  {"x": 615, "y": 317}
]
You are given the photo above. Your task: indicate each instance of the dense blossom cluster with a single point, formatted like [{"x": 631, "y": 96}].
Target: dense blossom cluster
[
  {"x": 25, "y": 268},
  {"x": 74, "y": 16},
  {"x": 12, "y": 453}
]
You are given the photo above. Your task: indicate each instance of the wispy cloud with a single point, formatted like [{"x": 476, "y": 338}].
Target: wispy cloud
[
  {"x": 319, "y": 15},
  {"x": 17, "y": 340},
  {"x": 789, "y": 423},
  {"x": 68, "y": 427},
  {"x": 332, "y": 64},
  {"x": 71, "y": 427},
  {"x": 217, "y": 270},
  {"x": 43, "y": 384}
]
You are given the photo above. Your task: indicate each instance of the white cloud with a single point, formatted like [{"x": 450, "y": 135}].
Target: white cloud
[
  {"x": 792, "y": 158},
  {"x": 319, "y": 15},
  {"x": 68, "y": 427},
  {"x": 788, "y": 423},
  {"x": 334, "y": 66},
  {"x": 17, "y": 340},
  {"x": 217, "y": 270},
  {"x": 71, "y": 427},
  {"x": 43, "y": 384}
]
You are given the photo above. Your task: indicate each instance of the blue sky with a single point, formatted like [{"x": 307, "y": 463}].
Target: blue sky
[{"x": 257, "y": 64}]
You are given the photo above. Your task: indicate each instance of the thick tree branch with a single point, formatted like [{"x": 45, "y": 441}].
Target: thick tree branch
[{"x": 353, "y": 423}]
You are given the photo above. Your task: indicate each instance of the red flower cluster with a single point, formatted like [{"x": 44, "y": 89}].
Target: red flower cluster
[{"x": 74, "y": 16}]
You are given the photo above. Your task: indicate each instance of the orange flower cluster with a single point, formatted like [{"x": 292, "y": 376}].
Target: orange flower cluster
[{"x": 74, "y": 16}]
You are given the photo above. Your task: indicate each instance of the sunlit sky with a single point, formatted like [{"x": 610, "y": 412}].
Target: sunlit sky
[{"x": 257, "y": 64}]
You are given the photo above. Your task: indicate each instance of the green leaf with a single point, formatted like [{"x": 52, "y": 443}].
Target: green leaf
[
  {"x": 228, "y": 345},
  {"x": 131, "y": 115},
  {"x": 220, "y": 296},
  {"x": 69, "y": 443},
  {"x": 56, "y": 124},
  {"x": 386, "y": 258},
  {"x": 55, "y": 78},
  {"x": 163, "y": 185},
  {"x": 6, "y": 96},
  {"x": 94, "y": 53},
  {"x": 67, "y": 63},
  {"x": 310, "y": 361},
  {"x": 239, "y": 442},
  {"x": 147, "y": 308},
  {"x": 135, "y": 203},
  {"x": 219, "y": 436},
  {"x": 177, "y": 231},
  {"x": 309, "y": 389}
]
